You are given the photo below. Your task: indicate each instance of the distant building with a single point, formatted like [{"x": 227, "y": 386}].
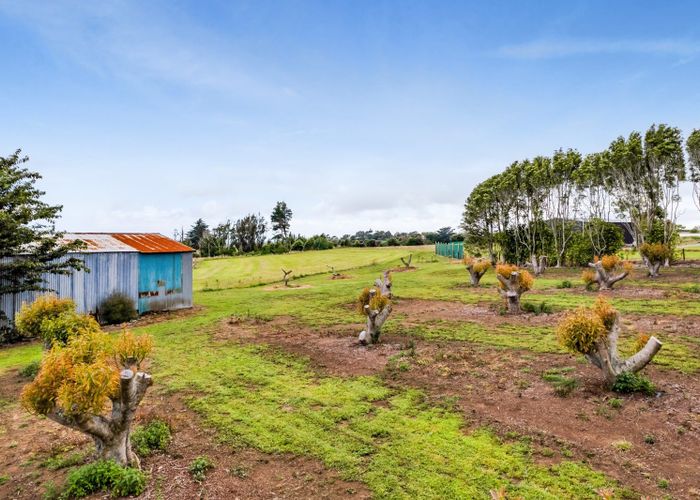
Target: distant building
[{"x": 155, "y": 271}]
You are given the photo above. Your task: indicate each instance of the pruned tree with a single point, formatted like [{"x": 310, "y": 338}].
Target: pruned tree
[
  {"x": 335, "y": 274},
  {"x": 606, "y": 271},
  {"x": 692, "y": 148},
  {"x": 512, "y": 283},
  {"x": 285, "y": 278},
  {"x": 76, "y": 381},
  {"x": 654, "y": 256},
  {"x": 407, "y": 262},
  {"x": 594, "y": 333},
  {"x": 383, "y": 284},
  {"x": 376, "y": 307},
  {"x": 476, "y": 269},
  {"x": 30, "y": 247}
]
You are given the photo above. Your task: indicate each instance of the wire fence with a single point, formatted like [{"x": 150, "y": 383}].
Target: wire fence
[{"x": 453, "y": 250}]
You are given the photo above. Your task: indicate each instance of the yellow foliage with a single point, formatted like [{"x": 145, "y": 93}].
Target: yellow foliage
[
  {"x": 627, "y": 266},
  {"x": 582, "y": 328},
  {"x": 130, "y": 349},
  {"x": 31, "y": 316},
  {"x": 609, "y": 262},
  {"x": 641, "y": 341},
  {"x": 525, "y": 279},
  {"x": 655, "y": 252},
  {"x": 377, "y": 303},
  {"x": 478, "y": 265},
  {"x": 80, "y": 377},
  {"x": 588, "y": 276}
]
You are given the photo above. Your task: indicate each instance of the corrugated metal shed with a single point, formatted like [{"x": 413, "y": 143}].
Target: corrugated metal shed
[
  {"x": 99, "y": 242},
  {"x": 151, "y": 243}
]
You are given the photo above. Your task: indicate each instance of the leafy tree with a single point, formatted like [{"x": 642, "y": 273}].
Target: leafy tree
[
  {"x": 281, "y": 220},
  {"x": 249, "y": 233},
  {"x": 444, "y": 234},
  {"x": 77, "y": 380},
  {"x": 29, "y": 244},
  {"x": 196, "y": 233},
  {"x": 692, "y": 147}
]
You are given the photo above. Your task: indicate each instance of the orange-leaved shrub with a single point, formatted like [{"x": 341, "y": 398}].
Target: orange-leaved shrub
[
  {"x": 376, "y": 303},
  {"x": 478, "y": 265},
  {"x": 655, "y": 252},
  {"x": 525, "y": 279},
  {"x": 53, "y": 320},
  {"x": 582, "y": 328}
]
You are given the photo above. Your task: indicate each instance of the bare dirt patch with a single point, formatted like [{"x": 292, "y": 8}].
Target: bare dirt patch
[
  {"x": 29, "y": 441},
  {"x": 276, "y": 288},
  {"x": 156, "y": 317}
]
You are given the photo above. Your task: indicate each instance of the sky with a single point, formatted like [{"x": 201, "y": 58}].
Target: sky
[{"x": 144, "y": 116}]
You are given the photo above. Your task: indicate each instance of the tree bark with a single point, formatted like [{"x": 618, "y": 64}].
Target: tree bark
[
  {"x": 538, "y": 264},
  {"x": 606, "y": 357},
  {"x": 407, "y": 263},
  {"x": 286, "y": 276},
  {"x": 603, "y": 278},
  {"x": 474, "y": 276},
  {"x": 653, "y": 268},
  {"x": 375, "y": 321},
  {"x": 112, "y": 436},
  {"x": 512, "y": 291},
  {"x": 383, "y": 284}
]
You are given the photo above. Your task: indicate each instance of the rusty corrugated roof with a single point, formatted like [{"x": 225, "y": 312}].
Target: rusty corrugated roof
[
  {"x": 127, "y": 242},
  {"x": 151, "y": 243}
]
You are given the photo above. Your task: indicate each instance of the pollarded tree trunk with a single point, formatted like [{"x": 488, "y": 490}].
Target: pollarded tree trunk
[
  {"x": 512, "y": 291},
  {"x": 475, "y": 276},
  {"x": 607, "y": 359},
  {"x": 653, "y": 267},
  {"x": 603, "y": 278},
  {"x": 375, "y": 321},
  {"x": 384, "y": 284},
  {"x": 407, "y": 263},
  {"x": 286, "y": 276},
  {"x": 538, "y": 264},
  {"x": 112, "y": 435}
]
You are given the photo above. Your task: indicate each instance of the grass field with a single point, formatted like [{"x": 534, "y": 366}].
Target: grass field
[
  {"x": 230, "y": 272},
  {"x": 400, "y": 438}
]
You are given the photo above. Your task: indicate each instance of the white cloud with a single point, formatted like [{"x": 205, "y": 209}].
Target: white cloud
[{"x": 556, "y": 48}]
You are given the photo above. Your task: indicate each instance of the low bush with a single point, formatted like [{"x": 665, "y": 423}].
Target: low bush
[
  {"x": 564, "y": 284},
  {"x": 537, "y": 308},
  {"x": 154, "y": 436},
  {"x": 117, "y": 308},
  {"x": 628, "y": 382},
  {"x": 30, "y": 370},
  {"x": 53, "y": 320},
  {"x": 104, "y": 475},
  {"x": 199, "y": 467}
]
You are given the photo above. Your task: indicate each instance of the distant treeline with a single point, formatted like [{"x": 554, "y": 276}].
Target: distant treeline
[{"x": 250, "y": 235}]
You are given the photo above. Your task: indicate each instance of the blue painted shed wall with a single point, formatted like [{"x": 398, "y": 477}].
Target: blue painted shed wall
[{"x": 165, "y": 281}]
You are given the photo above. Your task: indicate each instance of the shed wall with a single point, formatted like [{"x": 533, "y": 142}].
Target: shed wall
[
  {"x": 109, "y": 272},
  {"x": 165, "y": 281}
]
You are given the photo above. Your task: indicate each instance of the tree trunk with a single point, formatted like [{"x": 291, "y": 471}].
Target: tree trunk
[
  {"x": 604, "y": 279},
  {"x": 384, "y": 284},
  {"x": 653, "y": 268},
  {"x": 474, "y": 277},
  {"x": 407, "y": 263},
  {"x": 112, "y": 436},
  {"x": 375, "y": 321},
  {"x": 512, "y": 291},
  {"x": 286, "y": 276},
  {"x": 607, "y": 359},
  {"x": 538, "y": 265}
]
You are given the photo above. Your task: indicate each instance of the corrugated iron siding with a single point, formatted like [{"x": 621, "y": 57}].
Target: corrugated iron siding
[
  {"x": 165, "y": 281},
  {"x": 109, "y": 272}
]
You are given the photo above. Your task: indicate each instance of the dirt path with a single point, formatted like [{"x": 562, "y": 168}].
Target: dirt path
[{"x": 641, "y": 441}]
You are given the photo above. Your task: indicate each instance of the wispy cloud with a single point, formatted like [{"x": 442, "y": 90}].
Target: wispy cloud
[
  {"x": 136, "y": 43},
  {"x": 556, "y": 48}
]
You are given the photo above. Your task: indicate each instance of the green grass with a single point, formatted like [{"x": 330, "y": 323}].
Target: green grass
[
  {"x": 230, "y": 272},
  {"x": 13, "y": 357}
]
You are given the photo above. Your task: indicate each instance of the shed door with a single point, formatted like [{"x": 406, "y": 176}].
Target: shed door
[{"x": 160, "y": 275}]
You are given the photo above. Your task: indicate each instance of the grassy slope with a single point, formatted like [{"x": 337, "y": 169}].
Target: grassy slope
[
  {"x": 259, "y": 397},
  {"x": 243, "y": 271}
]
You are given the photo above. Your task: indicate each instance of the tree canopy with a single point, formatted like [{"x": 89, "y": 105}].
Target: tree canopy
[{"x": 281, "y": 219}]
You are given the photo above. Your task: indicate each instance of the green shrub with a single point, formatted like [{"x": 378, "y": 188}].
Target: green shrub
[
  {"x": 117, "y": 308},
  {"x": 632, "y": 382},
  {"x": 104, "y": 475},
  {"x": 53, "y": 320},
  {"x": 30, "y": 370},
  {"x": 564, "y": 284},
  {"x": 537, "y": 308},
  {"x": 199, "y": 468},
  {"x": 151, "y": 437}
]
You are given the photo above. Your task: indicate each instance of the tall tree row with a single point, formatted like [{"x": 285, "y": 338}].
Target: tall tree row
[{"x": 538, "y": 208}]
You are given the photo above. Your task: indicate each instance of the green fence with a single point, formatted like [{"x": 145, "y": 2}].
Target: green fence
[{"x": 454, "y": 250}]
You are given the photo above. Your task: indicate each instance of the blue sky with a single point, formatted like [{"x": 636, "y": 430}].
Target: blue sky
[{"x": 143, "y": 116}]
